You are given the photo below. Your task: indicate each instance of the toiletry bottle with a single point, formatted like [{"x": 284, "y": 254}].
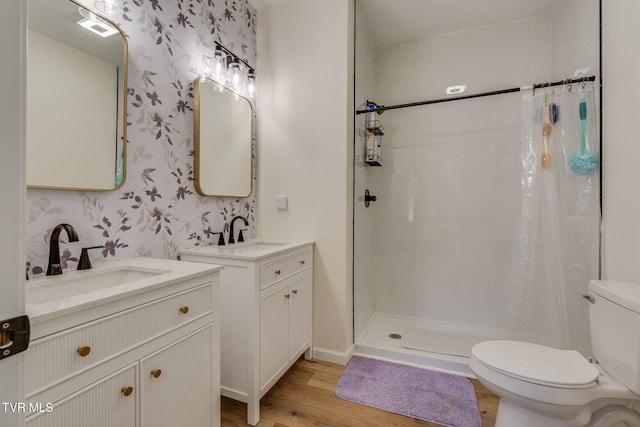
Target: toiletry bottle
[
  {"x": 371, "y": 115},
  {"x": 371, "y": 147}
]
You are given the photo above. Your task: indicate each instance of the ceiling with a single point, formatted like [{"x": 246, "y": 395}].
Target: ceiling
[{"x": 399, "y": 21}]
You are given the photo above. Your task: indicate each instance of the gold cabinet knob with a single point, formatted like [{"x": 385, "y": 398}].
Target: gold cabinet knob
[
  {"x": 184, "y": 310},
  {"x": 84, "y": 350},
  {"x": 278, "y": 272},
  {"x": 156, "y": 373},
  {"x": 301, "y": 262},
  {"x": 295, "y": 291},
  {"x": 287, "y": 296},
  {"x": 126, "y": 391}
]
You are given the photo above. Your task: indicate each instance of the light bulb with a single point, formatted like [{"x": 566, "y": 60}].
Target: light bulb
[
  {"x": 251, "y": 85},
  {"x": 235, "y": 76},
  {"x": 219, "y": 65}
]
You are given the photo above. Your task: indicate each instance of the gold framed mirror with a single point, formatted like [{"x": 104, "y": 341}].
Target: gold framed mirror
[
  {"x": 76, "y": 98},
  {"x": 223, "y": 129}
]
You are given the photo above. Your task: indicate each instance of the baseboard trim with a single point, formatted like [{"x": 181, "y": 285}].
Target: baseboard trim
[
  {"x": 234, "y": 394},
  {"x": 332, "y": 356}
]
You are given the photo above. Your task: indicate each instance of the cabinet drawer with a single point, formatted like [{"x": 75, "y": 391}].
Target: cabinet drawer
[
  {"x": 54, "y": 358},
  {"x": 101, "y": 404},
  {"x": 273, "y": 272}
]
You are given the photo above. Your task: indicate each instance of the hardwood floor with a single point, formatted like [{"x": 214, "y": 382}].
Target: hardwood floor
[{"x": 305, "y": 397}]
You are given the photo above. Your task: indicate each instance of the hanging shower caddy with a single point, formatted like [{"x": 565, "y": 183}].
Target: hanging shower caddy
[{"x": 373, "y": 137}]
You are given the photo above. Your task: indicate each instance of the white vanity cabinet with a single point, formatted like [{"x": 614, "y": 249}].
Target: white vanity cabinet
[
  {"x": 175, "y": 384},
  {"x": 148, "y": 360},
  {"x": 285, "y": 328},
  {"x": 266, "y": 313}
]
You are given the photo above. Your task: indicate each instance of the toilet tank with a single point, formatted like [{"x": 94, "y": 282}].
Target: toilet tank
[{"x": 614, "y": 317}]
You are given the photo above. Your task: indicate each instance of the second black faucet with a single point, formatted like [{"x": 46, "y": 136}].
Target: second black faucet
[{"x": 231, "y": 238}]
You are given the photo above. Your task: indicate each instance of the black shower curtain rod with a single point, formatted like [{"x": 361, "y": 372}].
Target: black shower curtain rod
[{"x": 380, "y": 109}]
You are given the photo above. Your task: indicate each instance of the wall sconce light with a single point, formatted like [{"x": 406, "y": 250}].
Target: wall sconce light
[{"x": 234, "y": 72}]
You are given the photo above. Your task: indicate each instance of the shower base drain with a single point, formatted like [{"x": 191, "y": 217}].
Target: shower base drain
[{"x": 395, "y": 336}]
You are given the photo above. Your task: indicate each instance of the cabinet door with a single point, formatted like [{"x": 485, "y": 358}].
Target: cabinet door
[
  {"x": 274, "y": 334},
  {"x": 106, "y": 403},
  {"x": 300, "y": 315},
  {"x": 176, "y": 384}
]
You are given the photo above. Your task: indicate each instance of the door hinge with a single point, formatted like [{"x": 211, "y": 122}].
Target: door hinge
[
  {"x": 589, "y": 298},
  {"x": 14, "y": 336}
]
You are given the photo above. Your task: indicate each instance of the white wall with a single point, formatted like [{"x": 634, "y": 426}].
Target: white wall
[
  {"x": 364, "y": 231},
  {"x": 621, "y": 144},
  {"x": 575, "y": 37},
  {"x": 304, "y": 126}
]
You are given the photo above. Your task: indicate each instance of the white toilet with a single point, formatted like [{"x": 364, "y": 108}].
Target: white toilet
[{"x": 541, "y": 386}]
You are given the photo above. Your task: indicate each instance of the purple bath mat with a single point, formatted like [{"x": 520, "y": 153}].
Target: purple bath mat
[{"x": 432, "y": 396}]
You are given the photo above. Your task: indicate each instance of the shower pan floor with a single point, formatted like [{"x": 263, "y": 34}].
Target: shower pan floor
[{"x": 438, "y": 346}]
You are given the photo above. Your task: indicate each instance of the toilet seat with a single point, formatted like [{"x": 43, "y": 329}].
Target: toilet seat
[
  {"x": 537, "y": 364},
  {"x": 534, "y": 379}
]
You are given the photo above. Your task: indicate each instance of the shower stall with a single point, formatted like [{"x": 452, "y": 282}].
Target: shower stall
[{"x": 436, "y": 182}]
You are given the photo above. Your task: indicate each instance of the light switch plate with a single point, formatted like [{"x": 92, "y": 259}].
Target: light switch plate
[{"x": 282, "y": 203}]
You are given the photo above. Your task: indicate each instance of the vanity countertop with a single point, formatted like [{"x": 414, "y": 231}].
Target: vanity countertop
[
  {"x": 52, "y": 296},
  {"x": 254, "y": 249}
]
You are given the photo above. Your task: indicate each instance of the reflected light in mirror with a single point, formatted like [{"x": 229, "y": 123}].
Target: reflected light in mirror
[
  {"x": 94, "y": 23},
  {"x": 97, "y": 27}
]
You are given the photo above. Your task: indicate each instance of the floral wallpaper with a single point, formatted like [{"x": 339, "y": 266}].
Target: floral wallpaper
[{"x": 157, "y": 211}]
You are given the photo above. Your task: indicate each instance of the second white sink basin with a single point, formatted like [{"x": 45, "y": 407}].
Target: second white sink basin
[
  {"x": 259, "y": 246},
  {"x": 249, "y": 250},
  {"x": 61, "y": 287}
]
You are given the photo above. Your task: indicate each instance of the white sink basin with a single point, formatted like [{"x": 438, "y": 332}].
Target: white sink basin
[
  {"x": 66, "y": 286},
  {"x": 52, "y": 297},
  {"x": 253, "y": 249}
]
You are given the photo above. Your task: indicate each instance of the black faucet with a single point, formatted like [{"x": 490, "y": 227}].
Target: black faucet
[
  {"x": 54, "y": 266},
  {"x": 231, "y": 238}
]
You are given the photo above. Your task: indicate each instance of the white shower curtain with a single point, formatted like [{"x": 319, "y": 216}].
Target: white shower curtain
[{"x": 557, "y": 236}]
